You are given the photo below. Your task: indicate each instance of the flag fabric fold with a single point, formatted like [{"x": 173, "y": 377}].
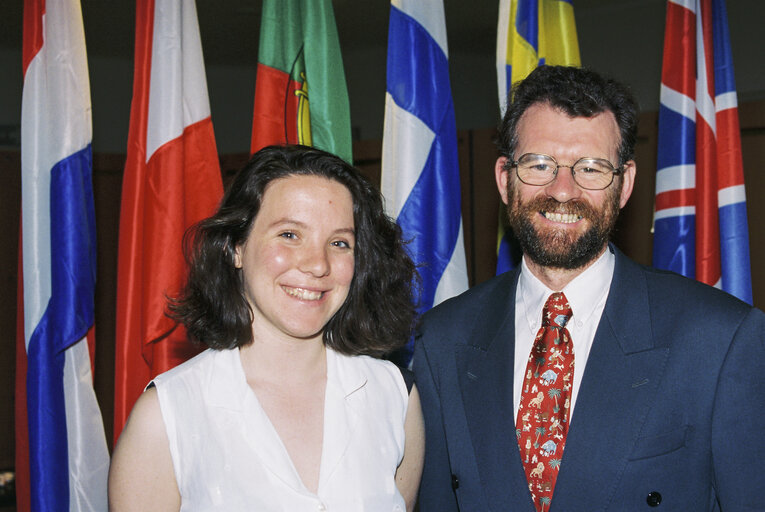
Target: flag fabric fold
[
  {"x": 67, "y": 460},
  {"x": 700, "y": 224},
  {"x": 420, "y": 170},
  {"x": 530, "y": 33},
  {"x": 300, "y": 92},
  {"x": 171, "y": 181}
]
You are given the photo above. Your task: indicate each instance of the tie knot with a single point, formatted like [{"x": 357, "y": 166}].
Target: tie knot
[{"x": 556, "y": 311}]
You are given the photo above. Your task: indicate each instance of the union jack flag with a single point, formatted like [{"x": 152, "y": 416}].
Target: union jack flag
[{"x": 700, "y": 226}]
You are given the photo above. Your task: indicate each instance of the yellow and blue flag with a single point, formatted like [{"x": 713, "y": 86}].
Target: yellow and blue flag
[{"x": 530, "y": 33}]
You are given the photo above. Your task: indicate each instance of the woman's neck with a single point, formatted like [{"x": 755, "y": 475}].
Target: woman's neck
[{"x": 287, "y": 361}]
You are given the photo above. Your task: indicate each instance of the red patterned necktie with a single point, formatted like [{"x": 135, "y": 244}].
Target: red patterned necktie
[{"x": 543, "y": 415}]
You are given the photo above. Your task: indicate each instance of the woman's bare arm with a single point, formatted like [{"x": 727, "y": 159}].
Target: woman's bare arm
[
  {"x": 409, "y": 471},
  {"x": 141, "y": 474}
]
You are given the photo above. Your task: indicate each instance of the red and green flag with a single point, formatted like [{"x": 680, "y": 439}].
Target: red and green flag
[{"x": 300, "y": 92}]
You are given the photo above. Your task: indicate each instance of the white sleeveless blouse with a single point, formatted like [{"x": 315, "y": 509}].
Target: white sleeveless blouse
[{"x": 227, "y": 455}]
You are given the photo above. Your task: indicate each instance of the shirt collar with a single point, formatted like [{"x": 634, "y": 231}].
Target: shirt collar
[
  {"x": 227, "y": 386},
  {"x": 584, "y": 292},
  {"x": 348, "y": 377}
]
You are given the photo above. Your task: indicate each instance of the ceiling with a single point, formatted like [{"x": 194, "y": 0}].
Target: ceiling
[
  {"x": 230, "y": 28},
  {"x": 230, "y": 31},
  {"x": 621, "y": 38}
]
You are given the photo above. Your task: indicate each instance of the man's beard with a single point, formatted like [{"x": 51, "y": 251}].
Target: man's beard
[{"x": 558, "y": 248}]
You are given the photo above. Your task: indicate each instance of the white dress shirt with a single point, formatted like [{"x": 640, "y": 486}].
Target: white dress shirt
[{"x": 586, "y": 294}]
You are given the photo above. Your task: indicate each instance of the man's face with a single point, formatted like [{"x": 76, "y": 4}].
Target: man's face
[{"x": 561, "y": 225}]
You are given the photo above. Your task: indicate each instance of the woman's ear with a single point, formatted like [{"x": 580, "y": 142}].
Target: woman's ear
[{"x": 238, "y": 256}]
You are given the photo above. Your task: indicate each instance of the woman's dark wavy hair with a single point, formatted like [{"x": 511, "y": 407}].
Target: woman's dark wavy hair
[
  {"x": 378, "y": 315},
  {"x": 578, "y": 92}
]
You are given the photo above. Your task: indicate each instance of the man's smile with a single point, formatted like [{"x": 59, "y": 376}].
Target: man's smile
[{"x": 565, "y": 218}]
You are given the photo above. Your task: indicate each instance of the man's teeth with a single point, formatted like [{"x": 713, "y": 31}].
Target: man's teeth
[
  {"x": 302, "y": 294},
  {"x": 565, "y": 218}
]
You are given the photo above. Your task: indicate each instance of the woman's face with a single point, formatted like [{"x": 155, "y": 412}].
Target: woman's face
[{"x": 297, "y": 261}]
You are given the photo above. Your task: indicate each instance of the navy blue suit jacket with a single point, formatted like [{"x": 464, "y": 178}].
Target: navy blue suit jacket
[{"x": 672, "y": 402}]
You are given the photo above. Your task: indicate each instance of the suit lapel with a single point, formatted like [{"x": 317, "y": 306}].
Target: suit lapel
[
  {"x": 485, "y": 371},
  {"x": 619, "y": 384}
]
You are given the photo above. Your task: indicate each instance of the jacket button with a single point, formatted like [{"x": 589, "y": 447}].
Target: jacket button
[
  {"x": 455, "y": 482},
  {"x": 653, "y": 499}
]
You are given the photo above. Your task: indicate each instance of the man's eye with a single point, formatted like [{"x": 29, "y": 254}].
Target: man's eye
[
  {"x": 589, "y": 170},
  {"x": 541, "y": 167}
]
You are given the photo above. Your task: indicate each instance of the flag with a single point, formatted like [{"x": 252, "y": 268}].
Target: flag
[
  {"x": 300, "y": 91},
  {"x": 530, "y": 33},
  {"x": 420, "y": 171},
  {"x": 700, "y": 226},
  {"x": 172, "y": 180},
  {"x": 67, "y": 460}
]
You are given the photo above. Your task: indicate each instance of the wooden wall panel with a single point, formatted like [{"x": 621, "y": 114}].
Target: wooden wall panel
[
  {"x": 107, "y": 189},
  {"x": 10, "y": 212},
  {"x": 633, "y": 233},
  {"x": 752, "y": 117},
  {"x": 480, "y": 200}
]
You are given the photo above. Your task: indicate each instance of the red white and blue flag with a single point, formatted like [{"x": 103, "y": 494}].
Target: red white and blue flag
[
  {"x": 67, "y": 460},
  {"x": 700, "y": 226}
]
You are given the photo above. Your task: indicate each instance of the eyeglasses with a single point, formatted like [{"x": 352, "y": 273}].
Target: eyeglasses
[{"x": 588, "y": 173}]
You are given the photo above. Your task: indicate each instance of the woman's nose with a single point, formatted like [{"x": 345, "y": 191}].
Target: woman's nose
[{"x": 315, "y": 260}]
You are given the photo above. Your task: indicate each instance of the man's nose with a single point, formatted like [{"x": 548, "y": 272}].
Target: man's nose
[{"x": 563, "y": 188}]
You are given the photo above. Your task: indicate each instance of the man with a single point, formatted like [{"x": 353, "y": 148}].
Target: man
[{"x": 641, "y": 388}]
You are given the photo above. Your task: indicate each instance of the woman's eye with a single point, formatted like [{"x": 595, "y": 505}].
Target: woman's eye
[
  {"x": 288, "y": 234},
  {"x": 341, "y": 243}
]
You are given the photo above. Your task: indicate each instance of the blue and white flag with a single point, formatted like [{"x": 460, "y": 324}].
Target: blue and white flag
[
  {"x": 420, "y": 170},
  {"x": 68, "y": 457}
]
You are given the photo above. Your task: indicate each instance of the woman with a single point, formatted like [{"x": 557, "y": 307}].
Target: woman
[{"x": 296, "y": 280}]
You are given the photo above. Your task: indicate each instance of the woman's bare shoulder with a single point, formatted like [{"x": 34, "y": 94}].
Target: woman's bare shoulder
[{"x": 141, "y": 475}]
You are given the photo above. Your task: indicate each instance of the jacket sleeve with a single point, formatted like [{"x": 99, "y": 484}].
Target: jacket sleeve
[
  {"x": 436, "y": 488},
  {"x": 738, "y": 422}
]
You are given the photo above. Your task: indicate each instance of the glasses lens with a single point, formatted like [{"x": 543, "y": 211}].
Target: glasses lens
[
  {"x": 536, "y": 169},
  {"x": 593, "y": 173}
]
